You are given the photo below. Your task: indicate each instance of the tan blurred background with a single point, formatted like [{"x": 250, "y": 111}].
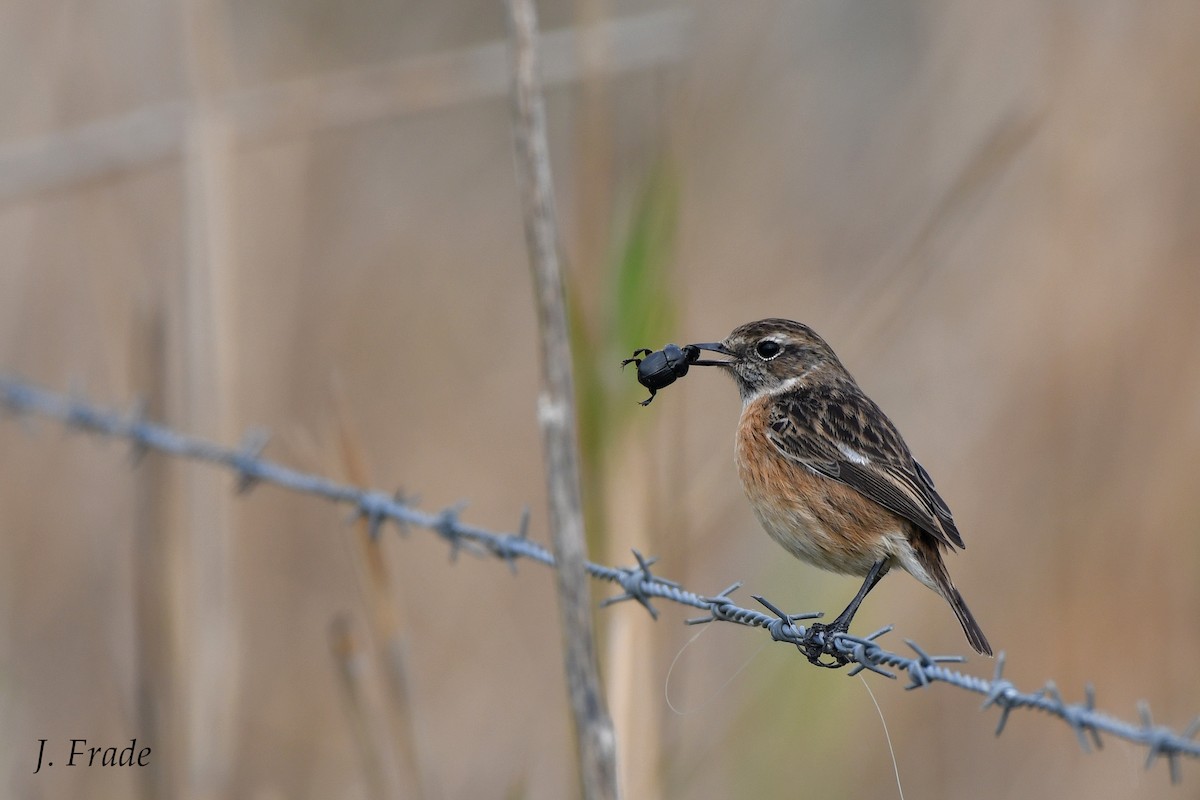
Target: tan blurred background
[{"x": 302, "y": 215}]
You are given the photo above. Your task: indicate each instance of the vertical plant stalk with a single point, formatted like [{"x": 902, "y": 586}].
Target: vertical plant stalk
[
  {"x": 594, "y": 736},
  {"x": 395, "y": 730},
  {"x": 201, "y": 396},
  {"x": 353, "y": 670},
  {"x": 157, "y": 663}
]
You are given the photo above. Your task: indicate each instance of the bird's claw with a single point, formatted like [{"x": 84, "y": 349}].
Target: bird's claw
[{"x": 820, "y": 640}]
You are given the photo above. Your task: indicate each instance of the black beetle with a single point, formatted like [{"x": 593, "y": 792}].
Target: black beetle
[{"x": 661, "y": 368}]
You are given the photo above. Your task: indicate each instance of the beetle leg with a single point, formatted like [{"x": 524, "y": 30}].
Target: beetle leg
[{"x": 641, "y": 351}]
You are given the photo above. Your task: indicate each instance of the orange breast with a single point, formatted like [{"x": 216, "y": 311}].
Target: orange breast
[{"x": 817, "y": 519}]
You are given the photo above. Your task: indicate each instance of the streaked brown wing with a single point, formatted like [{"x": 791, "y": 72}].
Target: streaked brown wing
[{"x": 840, "y": 433}]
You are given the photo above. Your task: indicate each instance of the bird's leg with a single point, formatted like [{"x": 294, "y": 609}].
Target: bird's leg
[
  {"x": 878, "y": 570},
  {"x": 813, "y": 648}
]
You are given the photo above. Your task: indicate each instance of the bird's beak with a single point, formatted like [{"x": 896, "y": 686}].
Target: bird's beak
[{"x": 716, "y": 347}]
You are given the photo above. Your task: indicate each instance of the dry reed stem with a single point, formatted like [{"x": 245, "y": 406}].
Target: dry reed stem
[
  {"x": 351, "y": 662},
  {"x": 595, "y": 741},
  {"x": 381, "y": 597},
  {"x": 201, "y": 307},
  {"x": 156, "y": 664}
]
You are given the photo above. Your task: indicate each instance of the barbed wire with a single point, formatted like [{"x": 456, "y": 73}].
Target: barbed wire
[{"x": 637, "y": 582}]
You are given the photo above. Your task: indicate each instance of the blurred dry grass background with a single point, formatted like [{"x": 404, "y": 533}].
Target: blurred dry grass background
[{"x": 303, "y": 215}]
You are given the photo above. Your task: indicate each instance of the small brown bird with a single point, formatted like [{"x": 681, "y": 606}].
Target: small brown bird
[{"x": 827, "y": 473}]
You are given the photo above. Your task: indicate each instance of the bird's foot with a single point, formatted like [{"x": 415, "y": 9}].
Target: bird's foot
[{"x": 820, "y": 640}]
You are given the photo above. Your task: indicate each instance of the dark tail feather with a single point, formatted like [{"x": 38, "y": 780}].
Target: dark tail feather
[
  {"x": 969, "y": 625},
  {"x": 931, "y": 560}
]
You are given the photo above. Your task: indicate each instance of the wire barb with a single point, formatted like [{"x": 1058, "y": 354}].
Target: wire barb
[
  {"x": 137, "y": 417},
  {"x": 637, "y": 583},
  {"x": 448, "y": 527},
  {"x": 402, "y": 499},
  {"x": 248, "y": 458},
  {"x": 509, "y": 554},
  {"x": 373, "y": 507},
  {"x": 718, "y": 606}
]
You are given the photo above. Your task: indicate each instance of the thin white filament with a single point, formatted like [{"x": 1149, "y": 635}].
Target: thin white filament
[
  {"x": 719, "y": 690},
  {"x": 886, "y": 735}
]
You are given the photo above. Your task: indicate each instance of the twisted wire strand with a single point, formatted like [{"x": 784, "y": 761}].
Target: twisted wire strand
[{"x": 637, "y": 582}]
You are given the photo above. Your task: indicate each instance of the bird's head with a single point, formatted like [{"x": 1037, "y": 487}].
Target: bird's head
[{"x": 772, "y": 355}]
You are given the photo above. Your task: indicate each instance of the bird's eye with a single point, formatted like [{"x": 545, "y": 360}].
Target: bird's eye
[{"x": 768, "y": 349}]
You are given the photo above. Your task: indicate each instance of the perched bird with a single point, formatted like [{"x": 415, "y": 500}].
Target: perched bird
[{"x": 827, "y": 472}]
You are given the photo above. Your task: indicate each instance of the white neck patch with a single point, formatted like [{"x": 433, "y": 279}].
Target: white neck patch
[{"x": 783, "y": 388}]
